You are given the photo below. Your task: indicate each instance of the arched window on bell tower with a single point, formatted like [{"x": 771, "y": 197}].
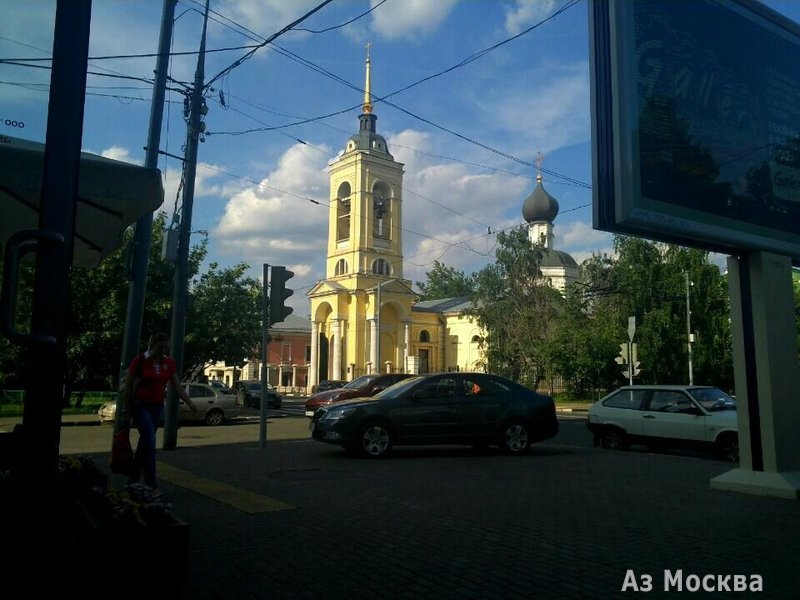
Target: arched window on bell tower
[
  {"x": 343, "y": 212},
  {"x": 381, "y": 267},
  {"x": 341, "y": 267},
  {"x": 381, "y": 211}
]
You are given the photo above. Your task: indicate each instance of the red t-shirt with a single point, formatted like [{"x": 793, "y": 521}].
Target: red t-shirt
[{"x": 153, "y": 377}]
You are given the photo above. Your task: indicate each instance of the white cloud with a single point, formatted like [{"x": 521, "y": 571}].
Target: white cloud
[
  {"x": 265, "y": 17},
  {"x": 410, "y": 19},
  {"x": 525, "y": 13},
  {"x": 580, "y": 235},
  {"x": 275, "y": 222},
  {"x": 119, "y": 153}
]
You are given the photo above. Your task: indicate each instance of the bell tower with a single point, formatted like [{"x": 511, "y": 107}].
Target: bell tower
[
  {"x": 361, "y": 312},
  {"x": 366, "y": 205}
]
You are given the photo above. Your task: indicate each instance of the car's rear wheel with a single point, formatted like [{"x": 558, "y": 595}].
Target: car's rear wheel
[
  {"x": 728, "y": 447},
  {"x": 614, "y": 438},
  {"x": 215, "y": 417},
  {"x": 375, "y": 440},
  {"x": 516, "y": 439}
]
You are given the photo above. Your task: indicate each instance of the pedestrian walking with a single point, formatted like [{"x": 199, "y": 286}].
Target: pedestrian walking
[{"x": 144, "y": 393}]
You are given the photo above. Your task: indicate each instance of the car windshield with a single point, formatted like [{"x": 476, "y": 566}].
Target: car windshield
[
  {"x": 713, "y": 399},
  {"x": 360, "y": 382},
  {"x": 399, "y": 388}
]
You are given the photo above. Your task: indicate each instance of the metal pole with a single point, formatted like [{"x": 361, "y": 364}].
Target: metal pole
[
  {"x": 630, "y": 363},
  {"x": 689, "y": 330},
  {"x": 143, "y": 229},
  {"x": 378, "y": 323},
  {"x": 180, "y": 297},
  {"x": 39, "y": 437},
  {"x": 262, "y": 436}
]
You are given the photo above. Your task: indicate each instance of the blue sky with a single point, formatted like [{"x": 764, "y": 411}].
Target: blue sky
[{"x": 254, "y": 190}]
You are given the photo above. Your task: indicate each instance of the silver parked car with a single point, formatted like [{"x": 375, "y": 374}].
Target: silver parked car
[
  {"x": 667, "y": 416},
  {"x": 213, "y": 406}
]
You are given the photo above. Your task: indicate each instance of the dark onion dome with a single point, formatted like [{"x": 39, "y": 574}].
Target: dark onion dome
[
  {"x": 539, "y": 206},
  {"x": 557, "y": 258}
]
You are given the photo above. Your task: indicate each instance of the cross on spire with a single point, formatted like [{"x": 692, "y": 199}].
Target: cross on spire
[
  {"x": 367, "y": 106},
  {"x": 539, "y": 161}
]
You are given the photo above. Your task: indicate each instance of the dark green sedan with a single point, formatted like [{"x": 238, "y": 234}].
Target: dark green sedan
[{"x": 476, "y": 409}]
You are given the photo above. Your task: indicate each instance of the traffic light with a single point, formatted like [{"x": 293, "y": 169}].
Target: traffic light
[
  {"x": 623, "y": 357},
  {"x": 635, "y": 359},
  {"x": 278, "y": 295}
]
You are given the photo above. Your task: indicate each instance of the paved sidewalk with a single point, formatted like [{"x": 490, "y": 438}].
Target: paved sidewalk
[
  {"x": 300, "y": 519},
  {"x": 564, "y": 522}
]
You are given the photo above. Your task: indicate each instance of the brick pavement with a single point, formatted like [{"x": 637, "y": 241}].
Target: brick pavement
[{"x": 564, "y": 522}]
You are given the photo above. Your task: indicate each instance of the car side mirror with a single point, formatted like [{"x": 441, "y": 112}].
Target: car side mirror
[{"x": 378, "y": 388}]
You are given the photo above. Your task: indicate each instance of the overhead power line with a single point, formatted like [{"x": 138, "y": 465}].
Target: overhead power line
[
  {"x": 471, "y": 58},
  {"x": 274, "y": 36}
]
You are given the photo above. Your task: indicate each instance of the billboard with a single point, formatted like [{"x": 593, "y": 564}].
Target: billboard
[{"x": 696, "y": 123}]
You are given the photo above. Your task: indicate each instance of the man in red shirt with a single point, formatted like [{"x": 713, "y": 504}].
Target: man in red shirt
[{"x": 145, "y": 390}]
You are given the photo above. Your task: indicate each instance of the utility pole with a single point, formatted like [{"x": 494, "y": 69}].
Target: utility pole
[
  {"x": 197, "y": 108},
  {"x": 689, "y": 329},
  {"x": 142, "y": 235}
]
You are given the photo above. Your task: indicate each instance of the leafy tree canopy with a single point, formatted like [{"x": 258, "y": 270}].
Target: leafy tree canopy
[{"x": 445, "y": 282}]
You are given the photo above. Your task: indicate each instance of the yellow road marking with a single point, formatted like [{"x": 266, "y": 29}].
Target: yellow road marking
[{"x": 238, "y": 498}]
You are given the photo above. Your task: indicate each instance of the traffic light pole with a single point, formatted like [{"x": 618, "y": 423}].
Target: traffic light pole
[
  {"x": 630, "y": 363},
  {"x": 262, "y": 415}
]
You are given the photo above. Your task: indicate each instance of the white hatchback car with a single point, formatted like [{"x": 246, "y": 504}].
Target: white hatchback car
[{"x": 664, "y": 416}]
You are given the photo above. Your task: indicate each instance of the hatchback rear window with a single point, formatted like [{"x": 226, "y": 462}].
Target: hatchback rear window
[{"x": 631, "y": 399}]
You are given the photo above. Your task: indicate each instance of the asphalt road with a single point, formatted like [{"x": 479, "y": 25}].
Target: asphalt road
[{"x": 286, "y": 425}]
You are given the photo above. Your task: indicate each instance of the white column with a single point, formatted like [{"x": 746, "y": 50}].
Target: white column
[
  {"x": 373, "y": 350},
  {"x": 406, "y": 344},
  {"x": 294, "y": 376},
  {"x": 313, "y": 375},
  {"x": 767, "y": 377},
  {"x": 337, "y": 349}
]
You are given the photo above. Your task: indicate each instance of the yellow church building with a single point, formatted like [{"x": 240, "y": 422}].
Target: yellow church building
[{"x": 365, "y": 316}]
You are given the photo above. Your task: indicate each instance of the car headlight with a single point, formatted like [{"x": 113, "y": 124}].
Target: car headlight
[{"x": 334, "y": 414}]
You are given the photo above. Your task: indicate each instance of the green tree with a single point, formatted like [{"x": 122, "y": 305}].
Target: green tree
[
  {"x": 98, "y": 305},
  {"x": 445, "y": 282},
  {"x": 517, "y": 310},
  {"x": 224, "y": 323}
]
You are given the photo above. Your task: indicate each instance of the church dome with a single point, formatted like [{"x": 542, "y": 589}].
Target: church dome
[
  {"x": 557, "y": 258},
  {"x": 539, "y": 206}
]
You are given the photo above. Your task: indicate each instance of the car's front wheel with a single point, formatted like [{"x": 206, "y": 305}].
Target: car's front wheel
[
  {"x": 516, "y": 439},
  {"x": 215, "y": 417},
  {"x": 728, "y": 447},
  {"x": 375, "y": 440},
  {"x": 613, "y": 438}
]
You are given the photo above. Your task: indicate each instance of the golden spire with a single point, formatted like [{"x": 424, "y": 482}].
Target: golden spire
[
  {"x": 367, "y": 106},
  {"x": 539, "y": 160}
]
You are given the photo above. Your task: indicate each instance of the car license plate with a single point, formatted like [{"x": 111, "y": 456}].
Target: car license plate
[{"x": 309, "y": 413}]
